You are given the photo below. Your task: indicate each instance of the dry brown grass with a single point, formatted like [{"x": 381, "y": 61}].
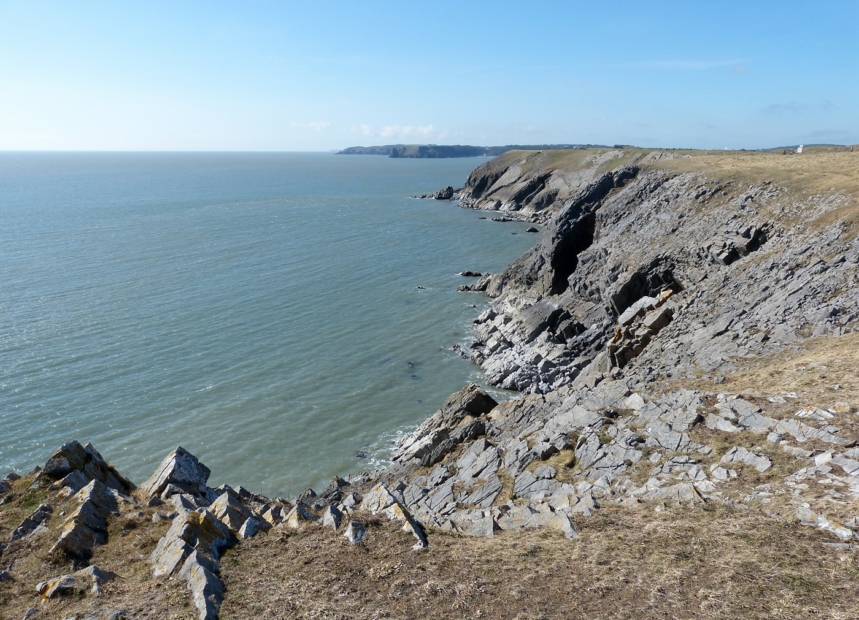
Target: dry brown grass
[
  {"x": 130, "y": 543},
  {"x": 683, "y": 563}
]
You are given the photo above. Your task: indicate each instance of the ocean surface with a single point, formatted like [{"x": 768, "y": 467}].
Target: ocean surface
[{"x": 275, "y": 314}]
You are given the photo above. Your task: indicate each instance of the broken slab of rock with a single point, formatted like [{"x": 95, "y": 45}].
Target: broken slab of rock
[
  {"x": 32, "y": 522},
  {"x": 739, "y": 454},
  {"x": 299, "y": 515},
  {"x": 86, "y": 527},
  {"x": 181, "y": 471},
  {"x": 230, "y": 511},
  {"x": 192, "y": 546},
  {"x": 89, "y": 578},
  {"x": 471, "y": 401},
  {"x": 331, "y": 518},
  {"x": 354, "y": 532},
  {"x": 380, "y": 500},
  {"x": 73, "y": 457}
]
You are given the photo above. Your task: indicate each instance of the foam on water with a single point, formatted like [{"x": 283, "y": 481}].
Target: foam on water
[{"x": 261, "y": 310}]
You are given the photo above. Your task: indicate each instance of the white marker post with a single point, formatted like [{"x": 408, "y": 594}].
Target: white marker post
[{"x": 799, "y": 150}]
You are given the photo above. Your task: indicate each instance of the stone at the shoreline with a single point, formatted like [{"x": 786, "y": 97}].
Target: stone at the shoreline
[
  {"x": 470, "y": 274},
  {"x": 183, "y": 471},
  {"x": 470, "y": 401}
]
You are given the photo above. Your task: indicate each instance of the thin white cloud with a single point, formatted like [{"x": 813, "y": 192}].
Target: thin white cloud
[
  {"x": 314, "y": 125},
  {"x": 403, "y": 132},
  {"x": 680, "y": 65}
]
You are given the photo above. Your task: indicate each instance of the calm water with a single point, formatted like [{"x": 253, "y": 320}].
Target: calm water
[{"x": 260, "y": 310}]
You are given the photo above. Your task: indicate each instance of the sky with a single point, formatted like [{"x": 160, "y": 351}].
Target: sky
[{"x": 317, "y": 76}]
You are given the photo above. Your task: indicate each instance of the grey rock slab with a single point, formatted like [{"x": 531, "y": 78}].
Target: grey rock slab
[
  {"x": 661, "y": 435},
  {"x": 377, "y": 499},
  {"x": 802, "y": 432},
  {"x": 484, "y": 496},
  {"x": 181, "y": 469},
  {"x": 738, "y": 454},
  {"x": 849, "y": 466},
  {"x": 545, "y": 472},
  {"x": 86, "y": 459},
  {"x": 251, "y": 527},
  {"x": 331, "y": 518},
  {"x": 355, "y": 532},
  {"x": 756, "y": 422},
  {"x": 230, "y": 511},
  {"x": 718, "y": 423},
  {"x": 32, "y": 521},
  {"x": 299, "y": 515},
  {"x": 207, "y": 590},
  {"x": 469, "y": 401},
  {"x": 480, "y": 460},
  {"x": 529, "y": 486}
]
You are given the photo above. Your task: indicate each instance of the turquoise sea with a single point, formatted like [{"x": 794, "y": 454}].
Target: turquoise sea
[{"x": 274, "y": 314}]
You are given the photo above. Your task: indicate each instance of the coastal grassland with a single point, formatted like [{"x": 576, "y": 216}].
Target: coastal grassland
[
  {"x": 815, "y": 173},
  {"x": 680, "y": 563},
  {"x": 130, "y": 541}
]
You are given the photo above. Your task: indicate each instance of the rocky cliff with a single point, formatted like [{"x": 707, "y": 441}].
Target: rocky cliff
[{"x": 683, "y": 338}]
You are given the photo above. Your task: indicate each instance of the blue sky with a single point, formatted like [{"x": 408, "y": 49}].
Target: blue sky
[{"x": 289, "y": 76}]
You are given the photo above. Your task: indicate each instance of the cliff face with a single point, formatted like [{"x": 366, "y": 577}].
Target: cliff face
[
  {"x": 536, "y": 185},
  {"x": 745, "y": 269}
]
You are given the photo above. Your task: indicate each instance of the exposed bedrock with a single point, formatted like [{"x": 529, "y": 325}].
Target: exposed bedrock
[{"x": 664, "y": 274}]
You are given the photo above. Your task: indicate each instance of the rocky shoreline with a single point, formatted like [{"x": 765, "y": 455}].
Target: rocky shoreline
[{"x": 645, "y": 276}]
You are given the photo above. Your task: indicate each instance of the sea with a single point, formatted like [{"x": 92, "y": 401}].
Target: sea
[{"x": 282, "y": 316}]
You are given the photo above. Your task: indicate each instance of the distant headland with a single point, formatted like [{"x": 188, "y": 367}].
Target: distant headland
[{"x": 434, "y": 151}]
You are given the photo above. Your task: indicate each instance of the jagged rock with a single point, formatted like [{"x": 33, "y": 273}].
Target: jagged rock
[
  {"x": 86, "y": 527},
  {"x": 32, "y": 522},
  {"x": 481, "y": 460},
  {"x": 484, "y": 496},
  {"x": 72, "y": 483},
  {"x": 530, "y": 517},
  {"x": 354, "y": 532},
  {"x": 230, "y": 511},
  {"x": 739, "y": 454},
  {"x": 377, "y": 499},
  {"x": 802, "y": 432},
  {"x": 470, "y": 401},
  {"x": 207, "y": 590},
  {"x": 73, "y": 457},
  {"x": 396, "y": 512},
  {"x": 182, "y": 470},
  {"x": 719, "y": 423},
  {"x": 272, "y": 514},
  {"x": 299, "y": 515},
  {"x": 190, "y": 531},
  {"x": 332, "y": 517},
  {"x": 251, "y": 527},
  {"x": 89, "y": 578}
]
